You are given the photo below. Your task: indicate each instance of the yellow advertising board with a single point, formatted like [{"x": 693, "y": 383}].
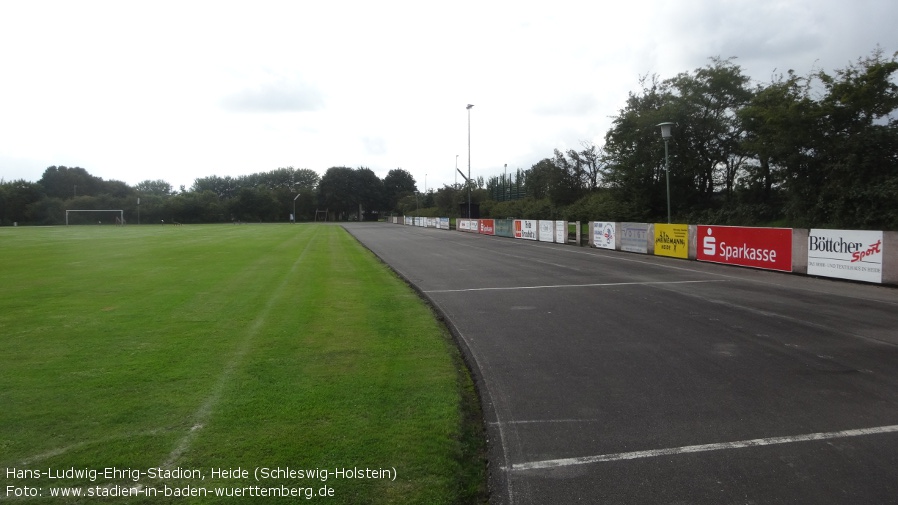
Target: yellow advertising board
[{"x": 672, "y": 240}]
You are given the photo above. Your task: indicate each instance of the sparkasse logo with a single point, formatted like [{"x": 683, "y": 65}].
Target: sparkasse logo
[{"x": 710, "y": 243}]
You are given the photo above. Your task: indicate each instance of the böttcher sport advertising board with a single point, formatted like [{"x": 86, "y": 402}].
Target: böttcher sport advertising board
[
  {"x": 846, "y": 254},
  {"x": 767, "y": 248}
]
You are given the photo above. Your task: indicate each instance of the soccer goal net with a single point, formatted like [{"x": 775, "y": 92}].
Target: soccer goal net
[{"x": 118, "y": 216}]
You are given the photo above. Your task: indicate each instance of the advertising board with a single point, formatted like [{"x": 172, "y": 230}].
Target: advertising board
[
  {"x": 634, "y": 237},
  {"x": 561, "y": 232},
  {"x": 525, "y": 229},
  {"x": 603, "y": 234},
  {"x": 846, "y": 254},
  {"x": 504, "y": 227},
  {"x": 672, "y": 240},
  {"x": 487, "y": 227},
  {"x": 767, "y": 248},
  {"x": 546, "y": 231},
  {"x": 444, "y": 223}
]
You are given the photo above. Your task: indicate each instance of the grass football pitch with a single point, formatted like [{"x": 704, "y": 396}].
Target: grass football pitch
[{"x": 225, "y": 364}]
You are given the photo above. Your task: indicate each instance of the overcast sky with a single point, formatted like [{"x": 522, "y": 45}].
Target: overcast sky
[{"x": 137, "y": 90}]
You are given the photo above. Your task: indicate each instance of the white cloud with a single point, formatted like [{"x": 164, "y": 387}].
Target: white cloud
[
  {"x": 375, "y": 146},
  {"x": 149, "y": 90},
  {"x": 282, "y": 96}
]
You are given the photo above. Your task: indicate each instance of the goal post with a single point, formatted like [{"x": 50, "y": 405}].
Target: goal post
[{"x": 119, "y": 220}]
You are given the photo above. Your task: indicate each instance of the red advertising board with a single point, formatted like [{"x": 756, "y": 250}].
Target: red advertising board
[
  {"x": 767, "y": 248},
  {"x": 488, "y": 226}
]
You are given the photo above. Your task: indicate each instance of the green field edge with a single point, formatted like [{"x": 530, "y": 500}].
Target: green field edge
[{"x": 472, "y": 432}]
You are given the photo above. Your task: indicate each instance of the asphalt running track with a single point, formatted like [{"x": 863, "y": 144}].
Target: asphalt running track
[{"x": 610, "y": 377}]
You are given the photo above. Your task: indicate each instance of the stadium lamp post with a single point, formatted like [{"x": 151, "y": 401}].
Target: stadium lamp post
[
  {"x": 294, "y": 207},
  {"x": 665, "y": 134},
  {"x": 469, "y": 160},
  {"x": 505, "y": 184}
]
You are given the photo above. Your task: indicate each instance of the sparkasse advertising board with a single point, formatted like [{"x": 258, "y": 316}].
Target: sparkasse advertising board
[
  {"x": 487, "y": 227},
  {"x": 766, "y": 248},
  {"x": 846, "y": 254}
]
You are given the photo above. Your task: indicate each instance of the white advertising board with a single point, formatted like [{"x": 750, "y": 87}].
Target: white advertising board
[
  {"x": 525, "y": 229},
  {"x": 634, "y": 237},
  {"x": 603, "y": 234},
  {"x": 444, "y": 223},
  {"x": 846, "y": 254},
  {"x": 561, "y": 232},
  {"x": 546, "y": 231}
]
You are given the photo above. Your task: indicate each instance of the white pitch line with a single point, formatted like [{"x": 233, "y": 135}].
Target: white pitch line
[
  {"x": 548, "y": 421},
  {"x": 204, "y": 412},
  {"x": 556, "y": 286},
  {"x": 556, "y": 463}
]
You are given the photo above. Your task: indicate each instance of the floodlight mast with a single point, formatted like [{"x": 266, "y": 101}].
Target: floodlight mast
[
  {"x": 469, "y": 159},
  {"x": 666, "y": 135}
]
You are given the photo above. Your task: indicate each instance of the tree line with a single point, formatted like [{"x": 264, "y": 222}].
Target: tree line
[{"x": 815, "y": 150}]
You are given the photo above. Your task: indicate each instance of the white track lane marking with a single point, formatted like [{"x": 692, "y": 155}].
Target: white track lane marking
[
  {"x": 758, "y": 442},
  {"x": 558, "y": 286}
]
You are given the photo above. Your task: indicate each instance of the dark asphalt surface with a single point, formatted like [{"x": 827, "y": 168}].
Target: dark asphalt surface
[{"x": 614, "y": 358}]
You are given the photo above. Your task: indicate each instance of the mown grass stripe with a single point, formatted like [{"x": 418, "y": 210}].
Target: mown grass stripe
[{"x": 118, "y": 341}]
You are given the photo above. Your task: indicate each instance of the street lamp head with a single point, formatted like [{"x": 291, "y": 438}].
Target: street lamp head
[
  {"x": 469, "y": 106},
  {"x": 665, "y": 130}
]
